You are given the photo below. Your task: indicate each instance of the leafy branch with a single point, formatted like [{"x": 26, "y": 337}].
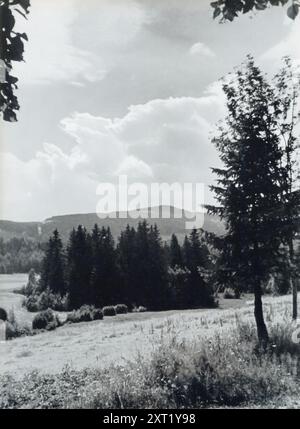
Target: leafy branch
[
  {"x": 228, "y": 10},
  {"x": 11, "y": 49}
]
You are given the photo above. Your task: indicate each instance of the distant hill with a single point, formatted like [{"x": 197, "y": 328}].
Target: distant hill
[{"x": 65, "y": 223}]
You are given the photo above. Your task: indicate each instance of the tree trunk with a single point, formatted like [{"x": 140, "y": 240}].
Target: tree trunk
[
  {"x": 294, "y": 289},
  {"x": 262, "y": 332},
  {"x": 293, "y": 281}
]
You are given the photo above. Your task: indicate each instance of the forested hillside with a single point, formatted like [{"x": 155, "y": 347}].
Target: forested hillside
[{"x": 65, "y": 224}]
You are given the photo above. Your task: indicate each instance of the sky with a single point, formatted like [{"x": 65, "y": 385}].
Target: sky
[{"x": 123, "y": 87}]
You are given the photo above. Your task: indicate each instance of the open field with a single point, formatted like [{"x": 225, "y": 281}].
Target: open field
[
  {"x": 98, "y": 344},
  {"x": 116, "y": 339},
  {"x": 13, "y": 301},
  {"x": 186, "y": 359},
  {"x": 89, "y": 363}
]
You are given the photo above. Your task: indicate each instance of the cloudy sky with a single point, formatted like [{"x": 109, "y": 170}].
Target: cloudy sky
[{"x": 131, "y": 87}]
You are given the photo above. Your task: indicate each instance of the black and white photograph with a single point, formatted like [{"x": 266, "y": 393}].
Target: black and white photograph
[{"x": 149, "y": 207}]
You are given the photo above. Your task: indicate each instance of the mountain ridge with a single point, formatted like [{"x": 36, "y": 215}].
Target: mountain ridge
[{"x": 65, "y": 223}]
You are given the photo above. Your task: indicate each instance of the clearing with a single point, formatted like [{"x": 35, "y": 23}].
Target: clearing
[{"x": 115, "y": 340}]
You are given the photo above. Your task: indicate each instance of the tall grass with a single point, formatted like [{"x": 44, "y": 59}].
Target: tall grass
[
  {"x": 220, "y": 372},
  {"x": 227, "y": 370}
]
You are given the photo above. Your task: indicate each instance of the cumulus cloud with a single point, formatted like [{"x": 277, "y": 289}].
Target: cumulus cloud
[
  {"x": 164, "y": 140},
  {"x": 50, "y": 54},
  {"x": 201, "y": 49},
  {"x": 288, "y": 46},
  {"x": 134, "y": 168},
  {"x": 51, "y": 183}
]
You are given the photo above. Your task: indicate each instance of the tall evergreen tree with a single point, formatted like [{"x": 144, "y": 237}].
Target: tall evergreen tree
[
  {"x": 186, "y": 250},
  {"x": 196, "y": 257},
  {"x": 53, "y": 267},
  {"x": 250, "y": 184},
  {"x": 141, "y": 279},
  {"x": 97, "y": 269},
  {"x": 127, "y": 261},
  {"x": 157, "y": 271},
  {"x": 143, "y": 266},
  {"x": 109, "y": 276},
  {"x": 176, "y": 258},
  {"x": 79, "y": 268}
]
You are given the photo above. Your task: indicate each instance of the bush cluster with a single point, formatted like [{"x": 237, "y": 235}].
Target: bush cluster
[
  {"x": 86, "y": 313},
  {"x": 46, "y": 320},
  {"x": 121, "y": 309},
  {"x": 109, "y": 310},
  {"x": 14, "y": 329},
  {"x": 45, "y": 300}
]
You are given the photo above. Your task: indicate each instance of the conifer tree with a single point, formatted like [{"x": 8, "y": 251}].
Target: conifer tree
[
  {"x": 97, "y": 269},
  {"x": 176, "y": 258},
  {"x": 141, "y": 278},
  {"x": 127, "y": 262},
  {"x": 196, "y": 257},
  {"x": 79, "y": 267},
  {"x": 250, "y": 184},
  {"x": 109, "y": 272},
  {"x": 53, "y": 267},
  {"x": 157, "y": 271}
]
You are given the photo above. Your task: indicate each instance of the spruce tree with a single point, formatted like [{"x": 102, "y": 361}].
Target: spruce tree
[
  {"x": 109, "y": 282},
  {"x": 97, "y": 268},
  {"x": 157, "y": 271},
  {"x": 79, "y": 268},
  {"x": 250, "y": 183},
  {"x": 196, "y": 256},
  {"x": 53, "y": 266},
  {"x": 176, "y": 258},
  {"x": 127, "y": 262},
  {"x": 141, "y": 279}
]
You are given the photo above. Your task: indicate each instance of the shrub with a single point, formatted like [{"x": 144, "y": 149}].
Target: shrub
[
  {"x": 77, "y": 316},
  {"x": 13, "y": 329},
  {"x": 121, "y": 308},
  {"x": 109, "y": 310},
  {"x": 16, "y": 331},
  {"x": 86, "y": 313},
  {"x": 31, "y": 303},
  {"x": 56, "y": 302},
  {"x": 3, "y": 314},
  {"x": 45, "y": 300},
  {"x": 46, "y": 320},
  {"x": 73, "y": 317},
  {"x": 97, "y": 314}
]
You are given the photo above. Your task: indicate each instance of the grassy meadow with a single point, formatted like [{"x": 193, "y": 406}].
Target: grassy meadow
[{"x": 173, "y": 359}]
